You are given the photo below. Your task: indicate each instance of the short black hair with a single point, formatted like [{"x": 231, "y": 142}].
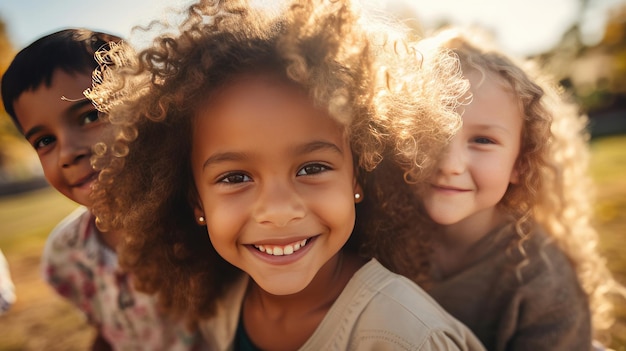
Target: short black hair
[{"x": 71, "y": 50}]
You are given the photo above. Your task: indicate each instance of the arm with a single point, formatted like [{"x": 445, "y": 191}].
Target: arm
[{"x": 64, "y": 265}]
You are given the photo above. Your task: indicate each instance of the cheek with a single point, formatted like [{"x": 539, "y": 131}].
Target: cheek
[
  {"x": 221, "y": 219},
  {"x": 105, "y": 133},
  {"x": 226, "y": 219},
  {"x": 222, "y": 233},
  {"x": 50, "y": 169},
  {"x": 337, "y": 209}
]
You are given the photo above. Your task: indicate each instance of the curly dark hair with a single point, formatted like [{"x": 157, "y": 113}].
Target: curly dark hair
[{"x": 146, "y": 186}]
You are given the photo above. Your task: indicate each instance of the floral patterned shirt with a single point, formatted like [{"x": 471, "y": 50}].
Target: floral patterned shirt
[{"x": 84, "y": 271}]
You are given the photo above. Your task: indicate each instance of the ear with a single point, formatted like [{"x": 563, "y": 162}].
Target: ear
[
  {"x": 358, "y": 192},
  {"x": 514, "y": 179},
  {"x": 198, "y": 213}
]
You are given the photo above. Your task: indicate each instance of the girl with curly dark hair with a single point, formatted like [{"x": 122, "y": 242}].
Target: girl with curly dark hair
[{"x": 259, "y": 131}]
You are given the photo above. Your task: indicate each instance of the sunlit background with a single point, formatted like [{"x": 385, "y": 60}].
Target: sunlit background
[{"x": 581, "y": 42}]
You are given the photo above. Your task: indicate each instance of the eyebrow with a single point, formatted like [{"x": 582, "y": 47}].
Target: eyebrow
[
  {"x": 298, "y": 150},
  {"x": 491, "y": 126},
  {"x": 75, "y": 106}
]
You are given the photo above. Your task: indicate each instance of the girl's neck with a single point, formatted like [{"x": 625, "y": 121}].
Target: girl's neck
[
  {"x": 110, "y": 239},
  {"x": 467, "y": 232},
  {"x": 453, "y": 243},
  {"x": 275, "y": 322}
]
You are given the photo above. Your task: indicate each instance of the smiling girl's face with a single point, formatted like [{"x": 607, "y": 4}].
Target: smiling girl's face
[
  {"x": 479, "y": 164},
  {"x": 275, "y": 181}
]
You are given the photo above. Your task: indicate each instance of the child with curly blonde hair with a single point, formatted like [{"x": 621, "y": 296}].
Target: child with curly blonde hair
[
  {"x": 514, "y": 254},
  {"x": 256, "y": 130}
]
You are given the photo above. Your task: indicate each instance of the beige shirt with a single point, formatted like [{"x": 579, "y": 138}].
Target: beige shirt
[{"x": 377, "y": 310}]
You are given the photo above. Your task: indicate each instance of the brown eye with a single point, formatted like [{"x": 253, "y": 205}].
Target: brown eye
[
  {"x": 235, "y": 178},
  {"x": 311, "y": 169},
  {"x": 90, "y": 117},
  {"x": 43, "y": 142}
]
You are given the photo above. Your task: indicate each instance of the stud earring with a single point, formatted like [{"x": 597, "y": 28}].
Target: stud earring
[
  {"x": 357, "y": 196},
  {"x": 201, "y": 220}
]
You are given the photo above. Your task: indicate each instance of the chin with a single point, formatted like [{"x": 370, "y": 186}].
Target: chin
[{"x": 280, "y": 287}]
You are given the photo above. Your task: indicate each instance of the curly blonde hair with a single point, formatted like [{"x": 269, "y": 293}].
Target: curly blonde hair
[
  {"x": 555, "y": 189},
  {"x": 146, "y": 188}
]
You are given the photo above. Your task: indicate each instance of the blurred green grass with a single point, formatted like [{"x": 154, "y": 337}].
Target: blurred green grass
[
  {"x": 39, "y": 320},
  {"x": 42, "y": 321},
  {"x": 608, "y": 169},
  {"x": 29, "y": 217}
]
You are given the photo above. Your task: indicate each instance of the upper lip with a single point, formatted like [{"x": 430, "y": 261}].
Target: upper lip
[
  {"x": 449, "y": 187},
  {"x": 282, "y": 241}
]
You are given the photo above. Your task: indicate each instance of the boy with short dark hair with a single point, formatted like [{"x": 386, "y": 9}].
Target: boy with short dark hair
[{"x": 42, "y": 91}]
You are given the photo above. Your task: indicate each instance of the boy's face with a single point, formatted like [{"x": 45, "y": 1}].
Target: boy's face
[{"x": 62, "y": 131}]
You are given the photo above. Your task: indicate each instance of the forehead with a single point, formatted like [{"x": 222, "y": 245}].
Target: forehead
[
  {"x": 260, "y": 94},
  {"x": 493, "y": 98},
  {"x": 43, "y": 102},
  {"x": 260, "y": 112}
]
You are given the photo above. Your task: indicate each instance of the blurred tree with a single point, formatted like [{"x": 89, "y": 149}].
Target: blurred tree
[
  {"x": 596, "y": 75},
  {"x": 6, "y": 55},
  {"x": 615, "y": 42},
  {"x": 18, "y": 161}
]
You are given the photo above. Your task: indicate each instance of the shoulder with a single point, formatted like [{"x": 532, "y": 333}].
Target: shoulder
[
  {"x": 546, "y": 265},
  {"x": 219, "y": 331},
  {"x": 73, "y": 248},
  {"x": 71, "y": 231},
  {"x": 537, "y": 259},
  {"x": 402, "y": 313},
  {"x": 542, "y": 280},
  {"x": 550, "y": 306}
]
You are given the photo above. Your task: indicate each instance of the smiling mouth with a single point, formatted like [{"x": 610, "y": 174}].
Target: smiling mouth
[
  {"x": 86, "y": 180},
  {"x": 283, "y": 250},
  {"x": 450, "y": 188}
]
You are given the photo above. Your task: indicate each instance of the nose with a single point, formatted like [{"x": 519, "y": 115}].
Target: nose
[
  {"x": 72, "y": 150},
  {"x": 454, "y": 159},
  {"x": 278, "y": 204}
]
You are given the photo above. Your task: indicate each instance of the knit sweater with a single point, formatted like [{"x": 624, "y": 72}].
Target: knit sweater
[{"x": 538, "y": 306}]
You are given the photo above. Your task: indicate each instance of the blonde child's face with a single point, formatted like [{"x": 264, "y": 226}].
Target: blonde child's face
[
  {"x": 63, "y": 131},
  {"x": 275, "y": 182},
  {"x": 479, "y": 164}
]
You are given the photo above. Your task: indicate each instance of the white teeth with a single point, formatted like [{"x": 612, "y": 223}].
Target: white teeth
[{"x": 282, "y": 250}]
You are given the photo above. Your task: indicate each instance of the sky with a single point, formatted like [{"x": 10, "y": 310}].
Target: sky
[{"x": 524, "y": 27}]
